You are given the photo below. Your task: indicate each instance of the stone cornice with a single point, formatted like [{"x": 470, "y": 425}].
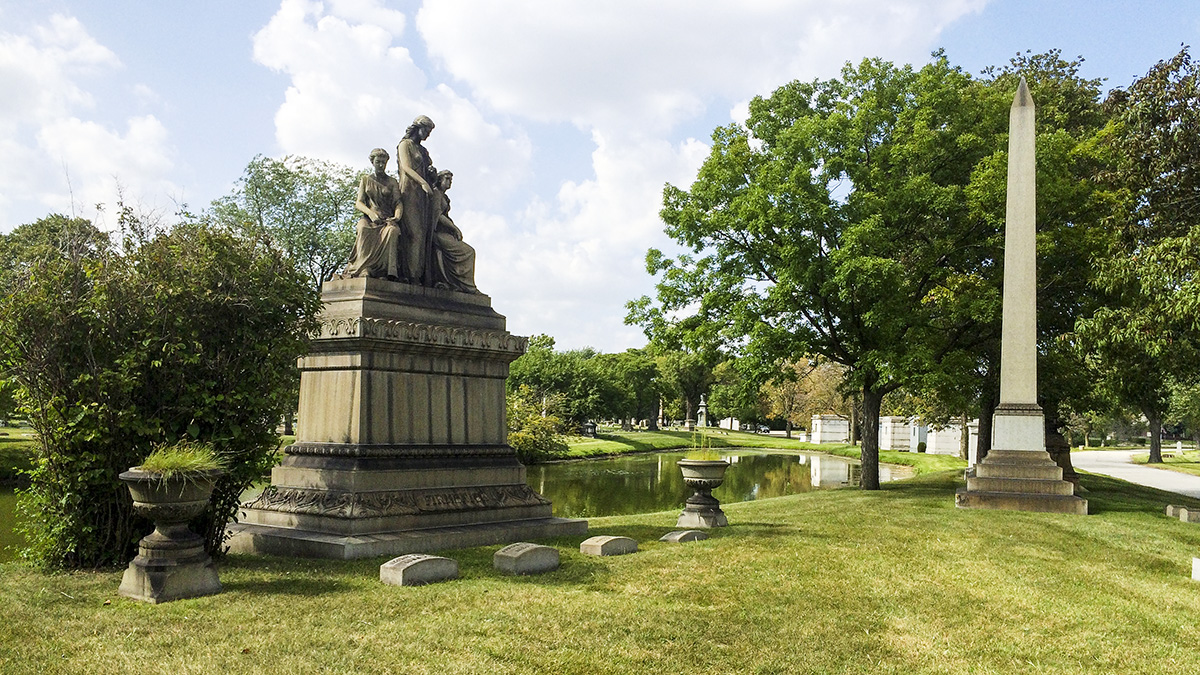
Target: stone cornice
[{"x": 422, "y": 335}]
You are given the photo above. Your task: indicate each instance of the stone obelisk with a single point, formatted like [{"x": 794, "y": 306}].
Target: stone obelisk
[{"x": 1018, "y": 474}]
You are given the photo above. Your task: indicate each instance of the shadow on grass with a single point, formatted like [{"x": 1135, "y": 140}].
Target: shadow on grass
[
  {"x": 1112, "y": 495},
  {"x": 287, "y": 586}
]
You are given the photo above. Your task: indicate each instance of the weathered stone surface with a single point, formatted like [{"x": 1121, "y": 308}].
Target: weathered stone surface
[
  {"x": 1195, "y": 569},
  {"x": 157, "y": 581},
  {"x": 416, "y": 569},
  {"x": 1173, "y": 510},
  {"x": 683, "y": 536},
  {"x": 526, "y": 558},
  {"x": 1189, "y": 515},
  {"x": 608, "y": 545},
  {"x": 401, "y": 435}
]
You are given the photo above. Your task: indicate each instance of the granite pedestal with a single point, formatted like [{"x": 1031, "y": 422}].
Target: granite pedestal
[{"x": 401, "y": 445}]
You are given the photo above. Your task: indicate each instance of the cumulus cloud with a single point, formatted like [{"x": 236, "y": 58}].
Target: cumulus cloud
[
  {"x": 55, "y": 159},
  {"x": 652, "y": 64},
  {"x": 567, "y": 266},
  {"x": 354, "y": 86}
]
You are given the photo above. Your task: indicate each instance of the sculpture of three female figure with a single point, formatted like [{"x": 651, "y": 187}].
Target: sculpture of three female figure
[{"x": 406, "y": 233}]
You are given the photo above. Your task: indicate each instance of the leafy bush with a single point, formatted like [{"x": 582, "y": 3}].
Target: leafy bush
[
  {"x": 533, "y": 429},
  {"x": 921, "y": 446},
  {"x": 191, "y": 333}
]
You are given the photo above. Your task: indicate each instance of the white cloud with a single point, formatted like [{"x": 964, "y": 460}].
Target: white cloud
[
  {"x": 55, "y": 159},
  {"x": 567, "y": 268},
  {"x": 652, "y": 64},
  {"x": 354, "y": 87}
]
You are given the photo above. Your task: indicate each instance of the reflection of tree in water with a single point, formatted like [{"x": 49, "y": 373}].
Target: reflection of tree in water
[{"x": 648, "y": 483}]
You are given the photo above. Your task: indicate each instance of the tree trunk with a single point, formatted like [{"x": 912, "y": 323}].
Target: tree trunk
[
  {"x": 788, "y": 427},
  {"x": 288, "y": 429},
  {"x": 854, "y": 431},
  {"x": 964, "y": 440},
  {"x": 871, "y": 403},
  {"x": 1155, "y": 439},
  {"x": 987, "y": 408}
]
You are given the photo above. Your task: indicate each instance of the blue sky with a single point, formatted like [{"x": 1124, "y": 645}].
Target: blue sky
[{"x": 562, "y": 119}]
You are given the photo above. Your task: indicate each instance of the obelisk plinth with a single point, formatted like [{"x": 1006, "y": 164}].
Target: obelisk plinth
[{"x": 1018, "y": 474}]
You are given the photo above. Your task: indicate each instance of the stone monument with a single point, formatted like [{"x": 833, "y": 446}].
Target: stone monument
[
  {"x": 1018, "y": 474},
  {"x": 401, "y": 445}
]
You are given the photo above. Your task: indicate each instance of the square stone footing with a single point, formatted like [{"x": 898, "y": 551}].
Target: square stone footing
[
  {"x": 158, "y": 581},
  {"x": 1020, "y": 480},
  {"x": 266, "y": 540}
]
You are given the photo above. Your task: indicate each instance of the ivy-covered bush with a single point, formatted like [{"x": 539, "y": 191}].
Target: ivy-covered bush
[{"x": 185, "y": 333}]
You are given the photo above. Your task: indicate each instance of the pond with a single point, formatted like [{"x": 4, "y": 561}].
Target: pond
[
  {"x": 652, "y": 482},
  {"x": 635, "y": 484}
]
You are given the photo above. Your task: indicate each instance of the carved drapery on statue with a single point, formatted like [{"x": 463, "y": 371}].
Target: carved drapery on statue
[
  {"x": 376, "y": 251},
  {"x": 406, "y": 233}
]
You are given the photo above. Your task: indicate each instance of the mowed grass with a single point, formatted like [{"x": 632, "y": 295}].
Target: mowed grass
[
  {"x": 843, "y": 581},
  {"x": 16, "y": 453},
  {"x": 618, "y": 443},
  {"x": 1187, "y": 461}
]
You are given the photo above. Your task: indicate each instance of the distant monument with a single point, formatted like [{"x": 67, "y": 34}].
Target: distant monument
[
  {"x": 1018, "y": 474},
  {"x": 402, "y": 442}
]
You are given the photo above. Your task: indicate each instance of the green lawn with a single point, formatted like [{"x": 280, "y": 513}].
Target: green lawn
[
  {"x": 16, "y": 451},
  {"x": 1186, "y": 462},
  {"x": 842, "y": 581},
  {"x": 622, "y": 442}
]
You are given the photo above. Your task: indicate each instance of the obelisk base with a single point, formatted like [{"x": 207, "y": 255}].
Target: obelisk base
[
  {"x": 1020, "y": 480},
  {"x": 1018, "y": 474}
]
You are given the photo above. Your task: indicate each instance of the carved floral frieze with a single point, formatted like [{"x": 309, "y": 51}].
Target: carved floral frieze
[
  {"x": 422, "y": 334},
  {"x": 399, "y": 503}
]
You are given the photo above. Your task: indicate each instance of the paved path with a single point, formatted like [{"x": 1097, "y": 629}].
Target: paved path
[{"x": 1117, "y": 463}]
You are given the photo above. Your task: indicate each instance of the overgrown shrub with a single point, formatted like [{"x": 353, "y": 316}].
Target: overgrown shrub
[
  {"x": 533, "y": 428},
  {"x": 187, "y": 333}
]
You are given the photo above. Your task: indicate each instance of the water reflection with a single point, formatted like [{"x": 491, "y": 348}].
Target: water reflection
[
  {"x": 634, "y": 484},
  {"x": 648, "y": 483}
]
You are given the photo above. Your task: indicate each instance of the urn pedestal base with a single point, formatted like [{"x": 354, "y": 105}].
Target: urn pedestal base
[{"x": 170, "y": 569}]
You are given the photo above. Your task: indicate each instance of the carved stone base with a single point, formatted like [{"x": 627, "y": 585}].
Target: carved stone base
[{"x": 402, "y": 441}]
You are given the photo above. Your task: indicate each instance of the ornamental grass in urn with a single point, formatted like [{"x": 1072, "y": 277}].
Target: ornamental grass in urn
[
  {"x": 703, "y": 471},
  {"x": 171, "y": 487}
]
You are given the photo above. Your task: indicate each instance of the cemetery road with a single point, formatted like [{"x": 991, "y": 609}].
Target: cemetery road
[{"x": 1118, "y": 464}]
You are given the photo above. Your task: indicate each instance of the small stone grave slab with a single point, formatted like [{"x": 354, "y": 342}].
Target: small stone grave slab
[
  {"x": 1195, "y": 569},
  {"x": 1173, "y": 510},
  {"x": 526, "y": 558},
  {"x": 683, "y": 536},
  {"x": 416, "y": 569},
  {"x": 1189, "y": 515},
  {"x": 608, "y": 545}
]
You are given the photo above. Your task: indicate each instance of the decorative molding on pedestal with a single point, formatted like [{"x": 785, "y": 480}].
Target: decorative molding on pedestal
[{"x": 402, "y": 444}]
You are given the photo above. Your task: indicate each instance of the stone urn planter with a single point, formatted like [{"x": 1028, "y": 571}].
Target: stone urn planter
[
  {"x": 171, "y": 563},
  {"x": 702, "y": 509}
]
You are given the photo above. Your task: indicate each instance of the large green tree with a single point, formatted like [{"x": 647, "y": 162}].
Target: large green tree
[
  {"x": 1146, "y": 340},
  {"x": 837, "y": 223},
  {"x": 305, "y": 206}
]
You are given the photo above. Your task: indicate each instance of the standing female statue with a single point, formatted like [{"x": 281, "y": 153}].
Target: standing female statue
[
  {"x": 454, "y": 259},
  {"x": 417, "y": 176},
  {"x": 376, "y": 251}
]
